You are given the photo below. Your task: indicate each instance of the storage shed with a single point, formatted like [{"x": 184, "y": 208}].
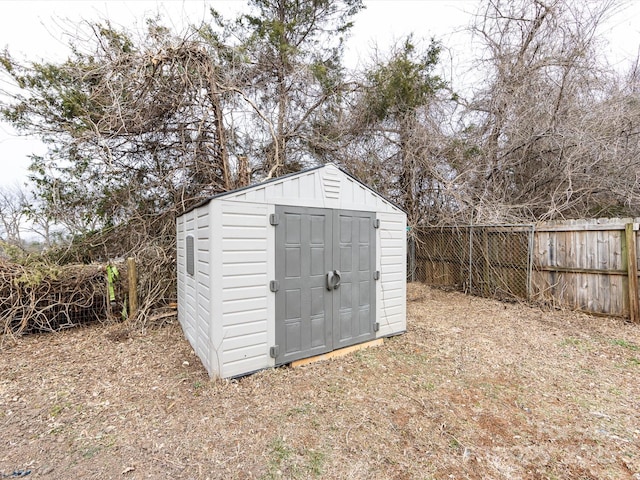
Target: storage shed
[{"x": 290, "y": 268}]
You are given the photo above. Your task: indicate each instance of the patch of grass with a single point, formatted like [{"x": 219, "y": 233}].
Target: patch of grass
[
  {"x": 454, "y": 443},
  {"x": 198, "y": 386},
  {"x": 103, "y": 442},
  {"x": 581, "y": 344},
  {"x": 300, "y": 410},
  {"x": 335, "y": 388},
  {"x": 625, "y": 344},
  {"x": 366, "y": 357},
  {"x": 633, "y": 361},
  {"x": 492, "y": 390},
  {"x": 415, "y": 357},
  {"x": 55, "y": 430},
  {"x": 58, "y": 408},
  {"x": 279, "y": 455},
  {"x": 315, "y": 462},
  {"x": 282, "y": 462},
  {"x": 91, "y": 451},
  {"x": 571, "y": 342},
  {"x": 429, "y": 386}
]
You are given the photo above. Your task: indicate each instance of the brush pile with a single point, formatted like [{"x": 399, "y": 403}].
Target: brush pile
[
  {"x": 43, "y": 297},
  {"x": 76, "y": 283}
]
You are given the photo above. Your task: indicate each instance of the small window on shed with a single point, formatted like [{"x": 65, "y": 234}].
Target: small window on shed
[{"x": 190, "y": 257}]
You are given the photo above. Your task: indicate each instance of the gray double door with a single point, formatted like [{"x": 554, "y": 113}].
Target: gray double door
[{"x": 325, "y": 265}]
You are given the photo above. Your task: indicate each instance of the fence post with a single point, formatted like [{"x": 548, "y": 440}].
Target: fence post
[
  {"x": 486, "y": 274},
  {"x": 107, "y": 296},
  {"x": 471, "y": 259},
  {"x": 530, "y": 244},
  {"x": 632, "y": 271},
  {"x": 133, "y": 286},
  {"x": 412, "y": 258}
]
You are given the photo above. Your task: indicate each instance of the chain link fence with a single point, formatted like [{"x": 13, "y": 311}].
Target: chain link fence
[{"x": 484, "y": 260}]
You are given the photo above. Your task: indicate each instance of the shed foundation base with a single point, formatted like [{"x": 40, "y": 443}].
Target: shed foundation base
[{"x": 337, "y": 353}]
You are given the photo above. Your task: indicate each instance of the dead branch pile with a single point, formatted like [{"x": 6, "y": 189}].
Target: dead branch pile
[
  {"x": 156, "y": 281},
  {"x": 151, "y": 242},
  {"x": 42, "y": 297}
]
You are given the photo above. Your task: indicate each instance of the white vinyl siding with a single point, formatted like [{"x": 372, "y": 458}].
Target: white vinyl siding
[
  {"x": 188, "y": 307},
  {"x": 244, "y": 288},
  {"x": 203, "y": 282},
  {"x": 392, "y": 291},
  {"x": 182, "y": 272},
  {"x": 193, "y": 291}
]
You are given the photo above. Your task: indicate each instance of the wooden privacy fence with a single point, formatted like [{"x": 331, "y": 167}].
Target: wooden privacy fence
[{"x": 587, "y": 265}]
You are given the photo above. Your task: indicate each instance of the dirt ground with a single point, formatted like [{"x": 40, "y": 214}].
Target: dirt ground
[{"x": 475, "y": 389}]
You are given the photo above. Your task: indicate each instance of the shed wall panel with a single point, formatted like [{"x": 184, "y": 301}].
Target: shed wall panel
[
  {"x": 245, "y": 316},
  {"x": 235, "y": 259},
  {"x": 251, "y": 337},
  {"x": 248, "y": 355},
  {"x": 244, "y": 292},
  {"x": 247, "y": 280},
  {"x": 187, "y": 308},
  {"x": 233, "y": 268},
  {"x": 215, "y": 322},
  {"x": 194, "y": 290},
  {"x": 245, "y": 329},
  {"x": 392, "y": 263},
  {"x": 203, "y": 284},
  {"x": 242, "y": 304},
  {"x": 244, "y": 289},
  {"x": 180, "y": 256}
]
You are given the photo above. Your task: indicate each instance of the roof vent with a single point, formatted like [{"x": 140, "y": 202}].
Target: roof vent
[{"x": 331, "y": 183}]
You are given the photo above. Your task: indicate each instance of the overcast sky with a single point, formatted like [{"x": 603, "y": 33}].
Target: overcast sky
[{"x": 34, "y": 30}]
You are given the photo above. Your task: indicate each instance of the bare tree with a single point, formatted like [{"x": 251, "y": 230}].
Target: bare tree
[
  {"x": 13, "y": 209},
  {"x": 547, "y": 134}
]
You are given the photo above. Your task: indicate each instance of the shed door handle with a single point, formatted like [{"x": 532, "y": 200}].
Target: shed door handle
[
  {"x": 330, "y": 280},
  {"x": 336, "y": 273},
  {"x": 333, "y": 279}
]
